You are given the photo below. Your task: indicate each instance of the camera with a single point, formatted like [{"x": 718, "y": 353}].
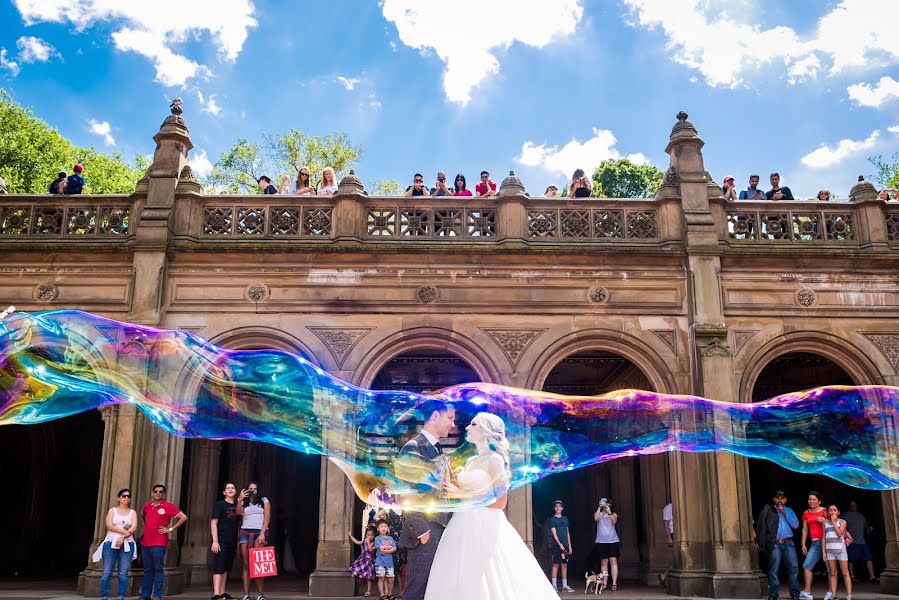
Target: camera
[
  {"x": 441, "y": 179},
  {"x": 603, "y": 501}
]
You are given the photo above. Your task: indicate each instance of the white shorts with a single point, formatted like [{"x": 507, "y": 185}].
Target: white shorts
[{"x": 381, "y": 571}]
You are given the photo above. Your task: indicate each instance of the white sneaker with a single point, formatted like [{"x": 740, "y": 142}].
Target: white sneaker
[
  {"x": 246, "y": 597},
  {"x": 806, "y": 596},
  {"x": 567, "y": 588},
  {"x": 829, "y": 596}
]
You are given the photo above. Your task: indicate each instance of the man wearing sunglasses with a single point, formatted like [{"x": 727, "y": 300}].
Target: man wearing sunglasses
[
  {"x": 158, "y": 526},
  {"x": 487, "y": 187},
  {"x": 418, "y": 187}
]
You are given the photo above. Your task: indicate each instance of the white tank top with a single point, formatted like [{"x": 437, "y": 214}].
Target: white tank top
[{"x": 122, "y": 521}]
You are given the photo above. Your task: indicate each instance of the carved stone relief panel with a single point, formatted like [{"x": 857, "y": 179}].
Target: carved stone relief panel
[
  {"x": 513, "y": 342},
  {"x": 340, "y": 340}
]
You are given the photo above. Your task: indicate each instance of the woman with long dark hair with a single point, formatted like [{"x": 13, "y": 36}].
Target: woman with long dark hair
[
  {"x": 118, "y": 548},
  {"x": 459, "y": 187},
  {"x": 256, "y": 511}
]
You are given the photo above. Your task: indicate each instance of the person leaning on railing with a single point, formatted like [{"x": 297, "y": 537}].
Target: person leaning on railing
[
  {"x": 730, "y": 193},
  {"x": 885, "y": 194},
  {"x": 823, "y": 196}
]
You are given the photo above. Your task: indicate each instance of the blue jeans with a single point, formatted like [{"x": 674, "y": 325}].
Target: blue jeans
[
  {"x": 114, "y": 558},
  {"x": 154, "y": 570},
  {"x": 815, "y": 553},
  {"x": 783, "y": 553}
]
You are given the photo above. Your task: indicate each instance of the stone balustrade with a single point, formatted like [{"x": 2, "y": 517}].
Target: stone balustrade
[{"x": 536, "y": 221}]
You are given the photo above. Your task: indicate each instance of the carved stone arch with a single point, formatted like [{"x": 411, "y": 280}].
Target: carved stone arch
[
  {"x": 188, "y": 382},
  {"x": 254, "y": 336},
  {"x": 632, "y": 348},
  {"x": 425, "y": 338},
  {"x": 839, "y": 350}
]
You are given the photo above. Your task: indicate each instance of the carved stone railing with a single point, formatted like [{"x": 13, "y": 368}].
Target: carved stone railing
[
  {"x": 594, "y": 219},
  {"x": 780, "y": 221},
  {"x": 49, "y": 217},
  {"x": 892, "y": 222},
  {"x": 441, "y": 218},
  {"x": 266, "y": 217}
]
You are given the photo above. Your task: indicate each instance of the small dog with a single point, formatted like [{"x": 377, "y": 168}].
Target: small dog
[{"x": 597, "y": 580}]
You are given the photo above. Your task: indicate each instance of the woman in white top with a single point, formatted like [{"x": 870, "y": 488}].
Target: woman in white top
[
  {"x": 607, "y": 545},
  {"x": 118, "y": 548},
  {"x": 835, "y": 552},
  {"x": 301, "y": 187},
  {"x": 256, "y": 512},
  {"x": 328, "y": 185}
]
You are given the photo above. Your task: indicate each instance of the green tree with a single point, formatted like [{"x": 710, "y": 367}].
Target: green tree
[
  {"x": 623, "y": 179},
  {"x": 887, "y": 174},
  {"x": 238, "y": 169},
  {"x": 32, "y": 153},
  {"x": 295, "y": 149},
  {"x": 385, "y": 187}
]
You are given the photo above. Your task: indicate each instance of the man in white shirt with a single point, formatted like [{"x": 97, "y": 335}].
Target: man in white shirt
[{"x": 668, "y": 518}]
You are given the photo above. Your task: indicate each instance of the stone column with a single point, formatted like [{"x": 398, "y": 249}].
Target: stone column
[
  {"x": 889, "y": 578},
  {"x": 714, "y": 555},
  {"x": 511, "y": 211},
  {"x": 202, "y": 494},
  {"x": 116, "y": 472},
  {"x": 654, "y": 478}
]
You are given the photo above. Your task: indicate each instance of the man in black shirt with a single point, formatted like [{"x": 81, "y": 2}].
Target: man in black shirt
[
  {"x": 58, "y": 185},
  {"x": 266, "y": 184},
  {"x": 418, "y": 187},
  {"x": 225, "y": 523},
  {"x": 776, "y": 192}
]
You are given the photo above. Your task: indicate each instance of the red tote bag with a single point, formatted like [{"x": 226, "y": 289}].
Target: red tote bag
[{"x": 262, "y": 562}]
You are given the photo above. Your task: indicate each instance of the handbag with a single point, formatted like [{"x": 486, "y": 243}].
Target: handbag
[
  {"x": 263, "y": 562},
  {"x": 847, "y": 538}
]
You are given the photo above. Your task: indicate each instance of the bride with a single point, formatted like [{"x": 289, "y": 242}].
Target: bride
[{"x": 481, "y": 556}]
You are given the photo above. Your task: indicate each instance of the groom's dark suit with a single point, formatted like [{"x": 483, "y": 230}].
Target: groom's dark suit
[{"x": 421, "y": 556}]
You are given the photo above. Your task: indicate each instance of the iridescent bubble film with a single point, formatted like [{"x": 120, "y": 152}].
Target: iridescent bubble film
[{"x": 58, "y": 363}]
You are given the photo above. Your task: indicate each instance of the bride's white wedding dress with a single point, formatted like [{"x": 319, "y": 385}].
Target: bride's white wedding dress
[{"x": 481, "y": 556}]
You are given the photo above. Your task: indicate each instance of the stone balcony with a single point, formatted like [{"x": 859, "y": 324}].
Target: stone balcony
[{"x": 611, "y": 224}]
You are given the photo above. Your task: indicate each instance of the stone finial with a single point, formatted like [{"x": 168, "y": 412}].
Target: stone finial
[
  {"x": 175, "y": 106},
  {"x": 350, "y": 184},
  {"x": 511, "y": 186},
  {"x": 683, "y": 125},
  {"x": 863, "y": 190}
]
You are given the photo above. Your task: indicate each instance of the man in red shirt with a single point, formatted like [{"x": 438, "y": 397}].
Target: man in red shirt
[
  {"x": 486, "y": 187},
  {"x": 157, "y": 515}
]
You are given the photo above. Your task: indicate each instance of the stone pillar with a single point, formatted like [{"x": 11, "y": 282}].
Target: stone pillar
[
  {"x": 654, "y": 478},
  {"x": 349, "y": 220},
  {"x": 511, "y": 210},
  {"x": 334, "y": 552},
  {"x": 889, "y": 578},
  {"x": 714, "y": 554},
  {"x": 116, "y": 472},
  {"x": 202, "y": 494}
]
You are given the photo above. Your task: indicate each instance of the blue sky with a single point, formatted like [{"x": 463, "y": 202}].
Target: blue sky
[{"x": 807, "y": 88}]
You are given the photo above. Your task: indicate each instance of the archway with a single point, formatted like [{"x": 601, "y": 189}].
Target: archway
[
  {"x": 51, "y": 473},
  {"x": 791, "y": 372},
  {"x": 290, "y": 479},
  {"x": 592, "y": 372}
]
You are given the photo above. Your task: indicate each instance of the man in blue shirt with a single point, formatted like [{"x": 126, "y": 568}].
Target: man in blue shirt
[
  {"x": 752, "y": 192},
  {"x": 75, "y": 182},
  {"x": 774, "y": 536}
]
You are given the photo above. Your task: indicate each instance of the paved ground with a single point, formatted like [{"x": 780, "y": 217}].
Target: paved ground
[{"x": 24, "y": 590}]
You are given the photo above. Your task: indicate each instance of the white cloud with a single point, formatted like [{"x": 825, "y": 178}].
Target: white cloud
[
  {"x": 10, "y": 65},
  {"x": 371, "y": 102},
  {"x": 33, "y": 49},
  {"x": 574, "y": 155},
  {"x": 102, "y": 128},
  {"x": 209, "y": 104},
  {"x": 864, "y": 94},
  {"x": 827, "y": 156},
  {"x": 726, "y": 48},
  {"x": 153, "y": 29},
  {"x": 200, "y": 164},
  {"x": 349, "y": 83},
  {"x": 893, "y": 129},
  {"x": 494, "y": 25}
]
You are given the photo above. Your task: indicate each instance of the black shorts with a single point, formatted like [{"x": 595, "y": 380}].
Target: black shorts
[
  {"x": 610, "y": 550},
  {"x": 224, "y": 560},
  {"x": 557, "y": 556}
]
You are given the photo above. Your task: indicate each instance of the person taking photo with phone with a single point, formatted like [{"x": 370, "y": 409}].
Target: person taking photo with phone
[
  {"x": 608, "y": 544},
  {"x": 256, "y": 511}
]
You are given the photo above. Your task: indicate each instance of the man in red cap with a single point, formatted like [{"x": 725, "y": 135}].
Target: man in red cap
[
  {"x": 75, "y": 182},
  {"x": 730, "y": 193}
]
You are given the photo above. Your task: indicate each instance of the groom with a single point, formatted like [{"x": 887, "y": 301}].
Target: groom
[{"x": 421, "y": 462}]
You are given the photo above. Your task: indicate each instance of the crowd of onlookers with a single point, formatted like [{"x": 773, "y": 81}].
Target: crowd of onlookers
[
  {"x": 839, "y": 539},
  {"x": 580, "y": 186}
]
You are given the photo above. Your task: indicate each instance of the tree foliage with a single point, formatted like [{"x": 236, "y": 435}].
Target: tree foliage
[
  {"x": 623, "y": 179},
  {"x": 238, "y": 169},
  {"x": 385, "y": 187},
  {"x": 32, "y": 153},
  {"x": 887, "y": 174}
]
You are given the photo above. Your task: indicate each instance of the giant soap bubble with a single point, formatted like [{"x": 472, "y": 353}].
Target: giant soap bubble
[{"x": 58, "y": 363}]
